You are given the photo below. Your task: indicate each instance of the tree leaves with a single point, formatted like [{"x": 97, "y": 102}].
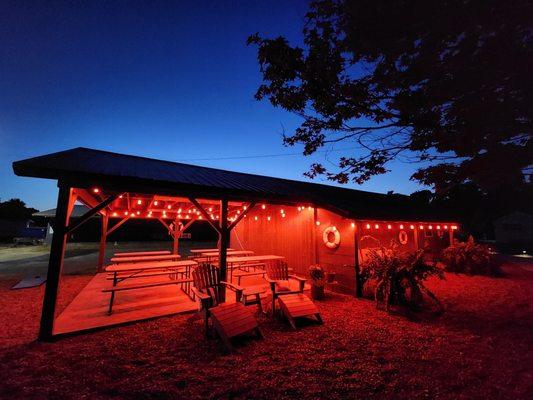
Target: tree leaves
[{"x": 446, "y": 82}]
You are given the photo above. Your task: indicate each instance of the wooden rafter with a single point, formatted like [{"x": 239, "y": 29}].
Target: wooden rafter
[
  {"x": 118, "y": 225},
  {"x": 204, "y": 213},
  {"x": 241, "y": 216},
  {"x": 90, "y": 213}
]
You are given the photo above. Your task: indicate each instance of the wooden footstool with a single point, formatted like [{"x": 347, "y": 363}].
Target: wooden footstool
[
  {"x": 233, "y": 319},
  {"x": 298, "y": 305}
]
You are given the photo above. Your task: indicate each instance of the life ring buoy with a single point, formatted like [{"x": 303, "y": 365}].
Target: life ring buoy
[
  {"x": 402, "y": 237},
  {"x": 331, "y": 237}
]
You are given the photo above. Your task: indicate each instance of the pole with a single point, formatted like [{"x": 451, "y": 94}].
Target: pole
[
  {"x": 177, "y": 233},
  {"x": 223, "y": 246},
  {"x": 358, "y": 286},
  {"x": 103, "y": 241},
  {"x": 55, "y": 262}
]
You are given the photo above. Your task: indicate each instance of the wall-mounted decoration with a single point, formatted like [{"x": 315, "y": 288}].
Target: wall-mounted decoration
[{"x": 331, "y": 237}]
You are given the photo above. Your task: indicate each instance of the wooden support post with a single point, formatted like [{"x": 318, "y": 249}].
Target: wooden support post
[
  {"x": 177, "y": 234},
  {"x": 451, "y": 235},
  {"x": 103, "y": 241},
  {"x": 358, "y": 283},
  {"x": 55, "y": 262},
  {"x": 416, "y": 238},
  {"x": 223, "y": 247}
]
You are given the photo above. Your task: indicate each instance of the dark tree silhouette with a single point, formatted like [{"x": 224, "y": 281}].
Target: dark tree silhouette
[
  {"x": 15, "y": 209},
  {"x": 445, "y": 83}
]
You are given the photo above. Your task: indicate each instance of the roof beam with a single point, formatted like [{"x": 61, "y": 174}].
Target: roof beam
[
  {"x": 90, "y": 213},
  {"x": 241, "y": 216},
  {"x": 204, "y": 213}
]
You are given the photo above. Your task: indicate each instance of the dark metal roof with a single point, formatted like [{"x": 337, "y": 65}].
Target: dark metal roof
[
  {"x": 82, "y": 167},
  {"x": 77, "y": 211}
]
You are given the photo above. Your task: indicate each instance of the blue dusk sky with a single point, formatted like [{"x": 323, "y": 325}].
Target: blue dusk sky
[{"x": 169, "y": 80}]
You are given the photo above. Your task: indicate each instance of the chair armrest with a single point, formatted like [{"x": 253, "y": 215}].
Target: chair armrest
[
  {"x": 232, "y": 286},
  {"x": 301, "y": 282},
  {"x": 298, "y": 278},
  {"x": 200, "y": 295},
  {"x": 236, "y": 288},
  {"x": 269, "y": 280}
]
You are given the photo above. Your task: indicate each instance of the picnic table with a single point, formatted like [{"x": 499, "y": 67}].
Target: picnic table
[
  {"x": 209, "y": 256},
  {"x": 244, "y": 263},
  {"x": 198, "y": 251},
  {"x": 143, "y": 253},
  {"x": 178, "y": 271},
  {"x": 144, "y": 259}
]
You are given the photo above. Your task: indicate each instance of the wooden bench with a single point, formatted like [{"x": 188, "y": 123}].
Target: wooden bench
[
  {"x": 244, "y": 270},
  {"x": 298, "y": 305},
  {"x": 115, "y": 289}
]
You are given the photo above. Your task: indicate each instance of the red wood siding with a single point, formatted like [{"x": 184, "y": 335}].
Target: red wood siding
[
  {"x": 291, "y": 237},
  {"x": 340, "y": 260}
]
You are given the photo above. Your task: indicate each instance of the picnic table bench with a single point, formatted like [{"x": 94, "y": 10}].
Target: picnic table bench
[{"x": 178, "y": 272}]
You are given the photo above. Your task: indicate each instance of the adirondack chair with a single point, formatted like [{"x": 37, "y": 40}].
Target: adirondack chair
[
  {"x": 229, "y": 319},
  {"x": 277, "y": 275},
  {"x": 293, "y": 303}
]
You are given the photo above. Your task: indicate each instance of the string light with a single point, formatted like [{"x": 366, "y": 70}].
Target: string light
[
  {"x": 353, "y": 224},
  {"x": 454, "y": 227},
  {"x": 120, "y": 196},
  {"x": 309, "y": 208},
  {"x": 389, "y": 226},
  {"x": 282, "y": 211},
  {"x": 421, "y": 227},
  {"x": 367, "y": 226},
  {"x": 244, "y": 208},
  {"x": 268, "y": 218},
  {"x": 200, "y": 217},
  {"x": 255, "y": 218},
  {"x": 114, "y": 214},
  {"x": 96, "y": 190},
  {"x": 126, "y": 213},
  {"x": 401, "y": 226},
  {"x": 430, "y": 226},
  {"x": 299, "y": 208},
  {"x": 445, "y": 226},
  {"x": 156, "y": 203},
  {"x": 282, "y": 215},
  {"x": 412, "y": 226},
  {"x": 438, "y": 227},
  {"x": 263, "y": 206},
  {"x": 169, "y": 206},
  {"x": 138, "y": 213},
  {"x": 139, "y": 201},
  {"x": 317, "y": 223},
  {"x": 210, "y": 209},
  {"x": 179, "y": 210},
  {"x": 376, "y": 226}
]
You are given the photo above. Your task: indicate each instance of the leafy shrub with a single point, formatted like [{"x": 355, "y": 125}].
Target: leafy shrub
[
  {"x": 317, "y": 274},
  {"x": 399, "y": 277},
  {"x": 470, "y": 258}
]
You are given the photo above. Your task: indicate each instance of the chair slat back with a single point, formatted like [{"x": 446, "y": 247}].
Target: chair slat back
[
  {"x": 278, "y": 271},
  {"x": 206, "y": 279}
]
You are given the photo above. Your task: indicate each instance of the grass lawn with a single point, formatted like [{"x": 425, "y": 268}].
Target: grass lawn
[{"x": 480, "y": 348}]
